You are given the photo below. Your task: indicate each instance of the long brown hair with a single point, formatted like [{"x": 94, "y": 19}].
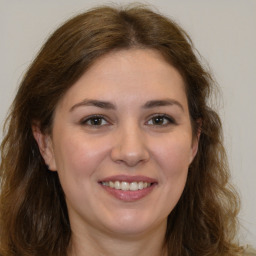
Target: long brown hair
[{"x": 33, "y": 213}]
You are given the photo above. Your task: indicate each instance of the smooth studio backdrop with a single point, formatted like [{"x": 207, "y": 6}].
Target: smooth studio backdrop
[{"x": 223, "y": 31}]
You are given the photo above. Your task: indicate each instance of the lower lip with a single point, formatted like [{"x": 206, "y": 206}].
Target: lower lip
[{"x": 128, "y": 195}]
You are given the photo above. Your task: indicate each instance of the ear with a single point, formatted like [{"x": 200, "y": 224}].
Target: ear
[
  {"x": 44, "y": 142},
  {"x": 195, "y": 141}
]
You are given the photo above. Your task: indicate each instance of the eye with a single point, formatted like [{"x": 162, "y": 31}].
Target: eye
[
  {"x": 95, "y": 121},
  {"x": 161, "y": 120}
]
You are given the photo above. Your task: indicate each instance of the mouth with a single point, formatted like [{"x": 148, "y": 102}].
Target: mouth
[
  {"x": 128, "y": 188},
  {"x": 125, "y": 186}
]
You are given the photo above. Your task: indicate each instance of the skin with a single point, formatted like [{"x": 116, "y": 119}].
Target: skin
[{"x": 131, "y": 138}]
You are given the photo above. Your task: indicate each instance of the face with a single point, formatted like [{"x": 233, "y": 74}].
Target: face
[{"x": 122, "y": 144}]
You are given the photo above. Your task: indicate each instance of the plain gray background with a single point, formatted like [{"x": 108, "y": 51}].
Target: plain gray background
[{"x": 224, "y": 32}]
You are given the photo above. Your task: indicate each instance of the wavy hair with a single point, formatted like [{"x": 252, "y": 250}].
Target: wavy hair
[{"x": 33, "y": 212}]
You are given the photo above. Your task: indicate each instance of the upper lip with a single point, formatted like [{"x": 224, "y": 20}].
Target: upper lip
[{"x": 128, "y": 178}]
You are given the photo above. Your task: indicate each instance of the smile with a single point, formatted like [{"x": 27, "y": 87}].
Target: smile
[
  {"x": 128, "y": 188},
  {"x": 125, "y": 186}
]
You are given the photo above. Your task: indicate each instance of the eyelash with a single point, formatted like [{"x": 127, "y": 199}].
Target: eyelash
[
  {"x": 164, "y": 117},
  {"x": 170, "y": 120},
  {"x": 90, "y": 118}
]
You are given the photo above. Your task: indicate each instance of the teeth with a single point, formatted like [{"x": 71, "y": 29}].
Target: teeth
[
  {"x": 111, "y": 184},
  {"x": 117, "y": 185},
  {"x": 140, "y": 185},
  {"x": 123, "y": 185},
  {"x": 134, "y": 186}
]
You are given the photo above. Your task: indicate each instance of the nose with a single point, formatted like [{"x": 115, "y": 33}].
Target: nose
[{"x": 130, "y": 147}]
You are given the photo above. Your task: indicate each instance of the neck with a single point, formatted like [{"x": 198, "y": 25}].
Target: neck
[{"x": 99, "y": 244}]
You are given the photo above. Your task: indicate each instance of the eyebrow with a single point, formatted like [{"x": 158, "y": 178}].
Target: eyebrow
[
  {"x": 162, "y": 103},
  {"x": 109, "y": 105},
  {"x": 95, "y": 103}
]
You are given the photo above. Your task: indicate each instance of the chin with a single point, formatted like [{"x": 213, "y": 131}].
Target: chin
[{"x": 133, "y": 223}]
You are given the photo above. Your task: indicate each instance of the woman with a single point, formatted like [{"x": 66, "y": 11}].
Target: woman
[{"x": 111, "y": 148}]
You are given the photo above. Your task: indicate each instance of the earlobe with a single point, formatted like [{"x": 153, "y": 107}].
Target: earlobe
[{"x": 44, "y": 143}]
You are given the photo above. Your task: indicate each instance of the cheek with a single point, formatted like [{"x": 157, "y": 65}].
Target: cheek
[
  {"x": 79, "y": 156},
  {"x": 174, "y": 156},
  {"x": 176, "y": 170},
  {"x": 173, "y": 159}
]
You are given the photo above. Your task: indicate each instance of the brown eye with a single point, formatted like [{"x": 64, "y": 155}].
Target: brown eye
[
  {"x": 161, "y": 120},
  {"x": 94, "y": 121}
]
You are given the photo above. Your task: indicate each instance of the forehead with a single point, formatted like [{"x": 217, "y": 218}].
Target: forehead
[
  {"x": 127, "y": 74},
  {"x": 133, "y": 63}
]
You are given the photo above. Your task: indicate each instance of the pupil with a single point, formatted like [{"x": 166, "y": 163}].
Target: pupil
[
  {"x": 158, "y": 120},
  {"x": 96, "y": 121}
]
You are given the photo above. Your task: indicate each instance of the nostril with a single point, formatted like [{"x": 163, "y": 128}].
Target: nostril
[
  {"x": 129, "y": 158},
  {"x": 130, "y": 147}
]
